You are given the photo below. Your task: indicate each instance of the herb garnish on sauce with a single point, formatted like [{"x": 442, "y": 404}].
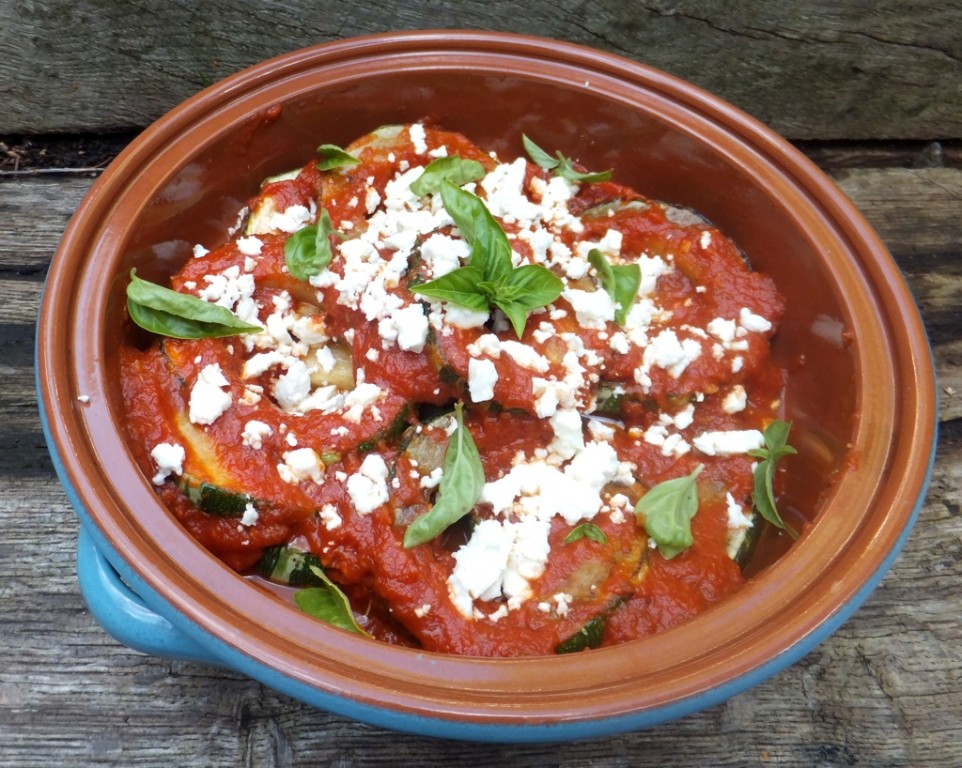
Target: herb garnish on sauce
[
  {"x": 459, "y": 490},
  {"x": 490, "y": 278},
  {"x": 666, "y": 511},
  {"x": 179, "y": 315}
]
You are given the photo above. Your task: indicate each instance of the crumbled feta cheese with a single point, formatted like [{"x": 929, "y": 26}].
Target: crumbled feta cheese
[
  {"x": 668, "y": 352},
  {"x": 737, "y": 519},
  {"x": 254, "y": 433},
  {"x": 362, "y": 396},
  {"x": 330, "y": 517},
  {"x": 250, "y": 246},
  {"x": 169, "y": 458},
  {"x": 292, "y": 386},
  {"x": 482, "y": 376},
  {"x": 592, "y": 308},
  {"x": 568, "y": 436},
  {"x": 250, "y": 516},
  {"x": 728, "y": 443},
  {"x": 752, "y": 322},
  {"x": 525, "y": 356},
  {"x": 368, "y": 486},
  {"x": 432, "y": 480},
  {"x": 412, "y": 328},
  {"x": 736, "y": 400},
  {"x": 208, "y": 399},
  {"x": 301, "y": 464},
  {"x": 417, "y": 134}
]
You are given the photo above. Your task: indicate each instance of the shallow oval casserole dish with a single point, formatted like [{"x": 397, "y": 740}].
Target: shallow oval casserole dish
[{"x": 860, "y": 391}]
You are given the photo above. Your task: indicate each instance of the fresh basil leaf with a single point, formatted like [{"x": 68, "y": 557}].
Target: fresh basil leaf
[
  {"x": 566, "y": 170},
  {"x": 528, "y": 287},
  {"x": 586, "y": 531},
  {"x": 308, "y": 252},
  {"x": 620, "y": 281},
  {"x": 516, "y": 313},
  {"x": 328, "y": 603},
  {"x": 332, "y": 157},
  {"x": 461, "y": 484},
  {"x": 538, "y": 155},
  {"x": 666, "y": 511},
  {"x": 776, "y": 448},
  {"x": 535, "y": 286},
  {"x": 561, "y": 165},
  {"x": 490, "y": 248},
  {"x": 459, "y": 286},
  {"x": 454, "y": 169},
  {"x": 490, "y": 277},
  {"x": 179, "y": 315}
]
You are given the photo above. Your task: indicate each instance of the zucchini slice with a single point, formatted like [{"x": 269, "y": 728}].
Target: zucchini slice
[
  {"x": 289, "y": 565},
  {"x": 591, "y": 633},
  {"x": 742, "y": 541},
  {"x": 213, "y": 499}
]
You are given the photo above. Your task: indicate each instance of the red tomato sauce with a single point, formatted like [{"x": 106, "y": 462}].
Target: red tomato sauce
[{"x": 327, "y": 434}]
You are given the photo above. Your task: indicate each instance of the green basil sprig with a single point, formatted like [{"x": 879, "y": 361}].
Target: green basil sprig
[
  {"x": 332, "y": 157},
  {"x": 620, "y": 281},
  {"x": 455, "y": 169},
  {"x": 586, "y": 531},
  {"x": 308, "y": 251},
  {"x": 561, "y": 165},
  {"x": 328, "y": 603},
  {"x": 490, "y": 277},
  {"x": 459, "y": 490},
  {"x": 666, "y": 511},
  {"x": 179, "y": 315},
  {"x": 776, "y": 447}
]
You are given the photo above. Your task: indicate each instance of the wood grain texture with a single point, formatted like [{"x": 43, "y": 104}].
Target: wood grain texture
[
  {"x": 850, "y": 69},
  {"x": 884, "y": 690}
]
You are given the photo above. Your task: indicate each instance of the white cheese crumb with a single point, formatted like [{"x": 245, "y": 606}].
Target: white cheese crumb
[
  {"x": 250, "y": 246},
  {"x": 737, "y": 519},
  {"x": 729, "y": 443},
  {"x": 301, "y": 464},
  {"x": 418, "y": 135},
  {"x": 592, "y": 308},
  {"x": 330, "y": 517},
  {"x": 208, "y": 400},
  {"x": 169, "y": 458},
  {"x": 432, "y": 480},
  {"x": 368, "y": 486},
  {"x": 250, "y": 516},
  {"x": 412, "y": 328},
  {"x": 361, "y": 397},
  {"x": 752, "y": 322},
  {"x": 736, "y": 400},
  {"x": 482, "y": 376},
  {"x": 254, "y": 433}
]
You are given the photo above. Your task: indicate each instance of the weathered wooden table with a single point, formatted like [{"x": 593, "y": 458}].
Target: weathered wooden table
[{"x": 874, "y": 97}]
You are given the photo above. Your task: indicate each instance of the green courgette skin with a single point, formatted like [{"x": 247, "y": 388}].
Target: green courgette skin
[
  {"x": 746, "y": 548},
  {"x": 213, "y": 499},
  {"x": 591, "y": 634},
  {"x": 284, "y": 564}
]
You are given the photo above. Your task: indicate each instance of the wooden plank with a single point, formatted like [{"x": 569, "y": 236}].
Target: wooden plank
[
  {"x": 808, "y": 69},
  {"x": 885, "y": 689}
]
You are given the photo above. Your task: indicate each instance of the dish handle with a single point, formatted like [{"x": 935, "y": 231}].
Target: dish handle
[{"x": 123, "y": 613}]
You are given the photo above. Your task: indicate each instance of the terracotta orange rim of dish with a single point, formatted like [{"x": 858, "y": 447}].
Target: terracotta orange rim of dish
[{"x": 840, "y": 558}]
